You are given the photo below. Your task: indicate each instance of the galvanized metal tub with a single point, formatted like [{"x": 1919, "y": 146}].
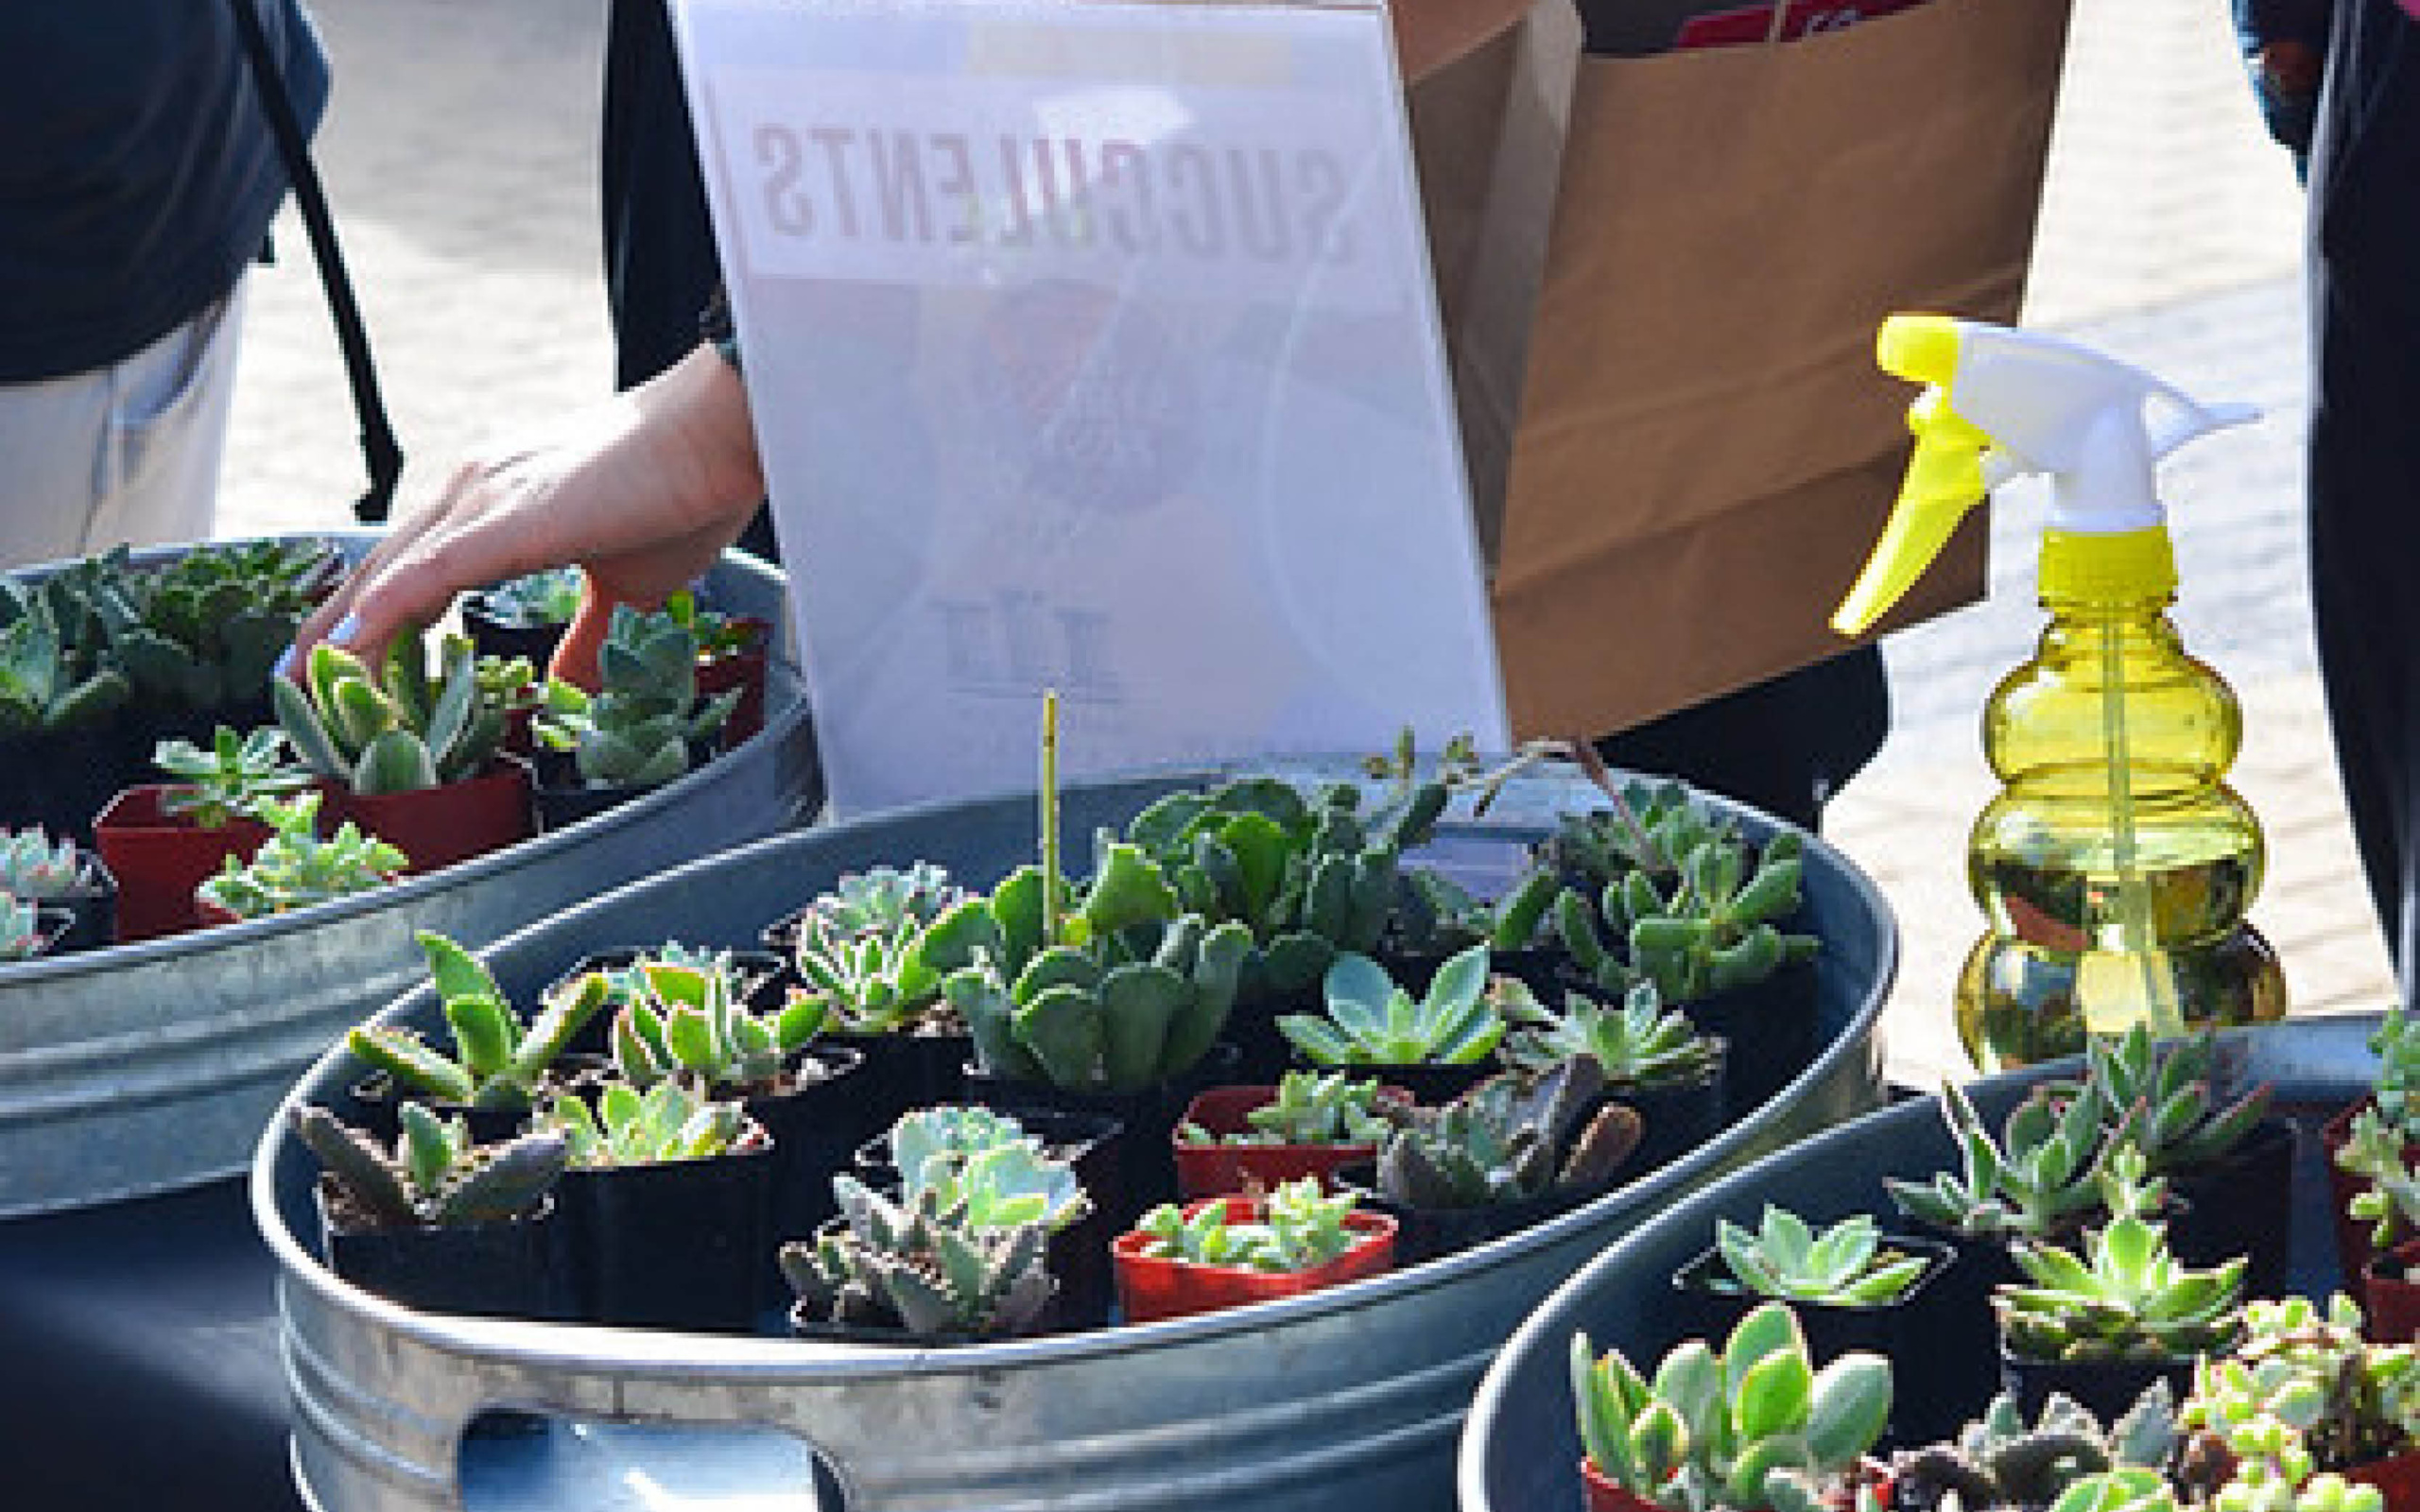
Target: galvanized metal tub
[
  {"x": 1344, "y": 1397},
  {"x": 151, "y": 1067},
  {"x": 1520, "y": 1448}
]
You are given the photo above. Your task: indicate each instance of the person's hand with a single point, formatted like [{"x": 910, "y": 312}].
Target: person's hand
[{"x": 643, "y": 492}]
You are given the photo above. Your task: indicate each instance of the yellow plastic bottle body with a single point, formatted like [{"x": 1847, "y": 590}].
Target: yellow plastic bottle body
[{"x": 2095, "y": 792}]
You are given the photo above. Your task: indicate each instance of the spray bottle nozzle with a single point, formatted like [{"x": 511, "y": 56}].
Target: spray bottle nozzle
[
  {"x": 2002, "y": 403},
  {"x": 1920, "y": 347}
]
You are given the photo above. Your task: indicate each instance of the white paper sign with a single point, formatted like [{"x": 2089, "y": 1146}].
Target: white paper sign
[{"x": 1092, "y": 347}]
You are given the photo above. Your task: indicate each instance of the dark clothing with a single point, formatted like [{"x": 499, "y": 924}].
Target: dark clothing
[
  {"x": 139, "y": 174},
  {"x": 2364, "y": 263},
  {"x": 661, "y": 266},
  {"x": 1785, "y": 746}
]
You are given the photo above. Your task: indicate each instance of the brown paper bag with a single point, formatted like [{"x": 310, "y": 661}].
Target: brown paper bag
[{"x": 1705, "y": 449}]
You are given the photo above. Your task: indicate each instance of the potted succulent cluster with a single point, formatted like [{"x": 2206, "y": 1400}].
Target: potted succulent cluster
[
  {"x": 858, "y": 950},
  {"x": 1435, "y": 1044},
  {"x": 296, "y": 868},
  {"x": 1851, "y": 1285},
  {"x": 162, "y": 840},
  {"x": 1310, "y": 1123},
  {"x": 1227, "y": 1252},
  {"x": 1513, "y": 1150},
  {"x": 410, "y": 752},
  {"x": 104, "y": 658},
  {"x": 439, "y": 1221},
  {"x": 987, "y": 1234},
  {"x": 647, "y": 723},
  {"x": 1754, "y": 1425}
]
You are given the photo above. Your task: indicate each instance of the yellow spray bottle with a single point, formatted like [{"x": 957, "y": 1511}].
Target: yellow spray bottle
[{"x": 2116, "y": 864}]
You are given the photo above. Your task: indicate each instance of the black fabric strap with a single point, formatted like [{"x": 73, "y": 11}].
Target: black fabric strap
[{"x": 379, "y": 450}]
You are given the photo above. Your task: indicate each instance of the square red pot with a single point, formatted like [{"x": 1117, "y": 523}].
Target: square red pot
[
  {"x": 1221, "y": 1170},
  {"x": 159, "y": 858},
  {"x": 1150, "y": 1287}
]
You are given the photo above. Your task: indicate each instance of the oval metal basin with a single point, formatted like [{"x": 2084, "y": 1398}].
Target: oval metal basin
[
  {"x": 1520, "y": 1449},
  {"x": 151, "y": 1067},
  {"x": 1349, "y": 1397}
]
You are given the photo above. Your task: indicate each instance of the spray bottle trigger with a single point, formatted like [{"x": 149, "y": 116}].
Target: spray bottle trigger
[{"x": 1948, "y": 475}]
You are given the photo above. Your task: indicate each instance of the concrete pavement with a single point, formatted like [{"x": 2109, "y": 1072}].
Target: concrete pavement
[{"x": 460, "y": 153}]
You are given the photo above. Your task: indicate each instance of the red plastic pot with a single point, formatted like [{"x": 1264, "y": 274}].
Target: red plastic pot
[
  {"x": 2397, "y": 1478},
  {"x": 159, "y": 858},
  {"x": 436, "y": 827},
  {"x": 2391, "y": 1303},
  {"x": 744, "y": 670},
  {"x": 1220, "y": 1170},
  {"x": 1152, "y": 1287},
  {"x": 1606, "y": 1495}
]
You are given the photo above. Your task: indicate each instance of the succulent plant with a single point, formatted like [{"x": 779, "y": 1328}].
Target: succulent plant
[
  {"x": 34, "y": 866},
  {"x": 1842, "y": 1265},
  {"x": 1638, "y": 1041},
  {"x": 683, "y": 1018},
  {"x": 207, "y": 626},
  {"x": 2388, "y": 1198},
  {"x": 1435, "y": 914},
  {"x": 1002, "y": 1186},
  {"x": 670, "y": 1121},
  {"x": 1508, "y": 1139},
  {"x": 2047, "y": 1174},
  {"x": 397, "y": 731},
  {"x": 44, "y": 685},
  {"x": 435, "y": 1176},
  {"x": 2302, "y": 1397},
  {"x": 1755, "y": 1426},
  {"x": 1999, "y": 1461},
  {"x": 1308, "y": 1107},
  {"x": 2132, "y": 1489},
  {"x": 909, "y": 1265},
  {"x": 2124, "y": 1296},
  {"x": 21, "y": 932},
  {"x": 1115, "y": 993},
  {"x": 1710, "y": 927},
  {"x": 547, "y": 596},
  {"x": 1296, "y": 1229},
  {"x": 2394, "y": 1087},
  {"x": 295, "y": 868},
  {"x": 636, "y": 729},
  {"x": 859, "y": 948},
  {"x": 229, "y": 779},
  {"x": 2161, "y": 1097},
  {"x": 1373, "y": 1021},
  {"x": 2309, "y": 1372},
  {"x": 951, "y": 1134},
  {"x": 499, "y": 1062},
  {"x": 1309, "y": 874},
  {"x": 717, "y": 633}
]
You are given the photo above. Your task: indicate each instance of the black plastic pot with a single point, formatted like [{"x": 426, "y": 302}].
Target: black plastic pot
[
  {"x": 511, "y": 1269},
  {"x": 1432, "y": 1086},
  {"x": 1147, "y": 1119},
  {"x": 509, "y": 636},
  {"x": 1676, "y": 1118},
  {"x": 61, "y": 780},
  {"x": 1427, "y": 1233},
  {"x": 1771, "y": 1029},
  {"x": 2242, "y": 1204},
  {"x": 1903, "y": 1331},
  {"x": 902, "y": 1072},
  {"x": 2106, "y": 1386},
  {"x": 679, "y": 1245},
  {"x": 816, "y": 1122}
]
